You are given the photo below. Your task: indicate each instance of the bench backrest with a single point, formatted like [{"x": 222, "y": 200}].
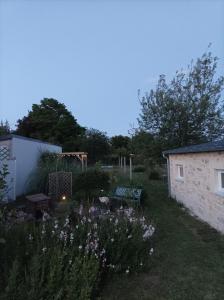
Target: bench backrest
[{"x": 126, "y": 192}]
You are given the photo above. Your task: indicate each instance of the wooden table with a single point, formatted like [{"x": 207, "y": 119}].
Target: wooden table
[{"x": 38, "y": 201}]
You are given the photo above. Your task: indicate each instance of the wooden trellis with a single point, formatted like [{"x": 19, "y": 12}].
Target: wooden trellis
[
  {"x": 60, "y": 184},
  {"x": 4, "y": 153}
]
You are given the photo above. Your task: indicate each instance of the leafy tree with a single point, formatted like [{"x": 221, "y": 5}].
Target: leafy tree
[
  {"x": 4, "y": 128},
  {"x": 188, "y": 110},
  {"x": 120, "y": 147},
  {"x": 51, "y": 121},
  {"x": 143, "y": 145},
  {"x": 96, "y": 143},
  {"x": 120, "y": 141}
]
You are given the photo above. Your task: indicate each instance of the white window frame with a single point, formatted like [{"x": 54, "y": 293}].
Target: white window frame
[
  {"x": 179, "y": 166},
  {"x": 220, "y": 188}
]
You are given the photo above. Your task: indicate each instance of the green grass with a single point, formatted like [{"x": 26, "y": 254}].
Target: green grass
[{"x": 188, "y": 261}]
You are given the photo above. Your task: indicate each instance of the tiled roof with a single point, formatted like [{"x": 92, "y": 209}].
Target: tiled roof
[{"x": 205, "y": 147}]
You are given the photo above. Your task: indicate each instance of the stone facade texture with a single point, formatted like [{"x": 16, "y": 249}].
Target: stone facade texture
[{"x": 198, "y": 190}]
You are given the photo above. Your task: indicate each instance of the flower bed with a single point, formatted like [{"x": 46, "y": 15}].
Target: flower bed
[{"x": 66, "y": 259}]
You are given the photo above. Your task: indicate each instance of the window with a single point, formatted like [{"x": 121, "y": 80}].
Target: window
[
  {"x": 221, "y": 180},
  {"x": 180, "y": 172}
]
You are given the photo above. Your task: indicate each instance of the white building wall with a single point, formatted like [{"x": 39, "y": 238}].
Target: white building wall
[
  {"x": 27, "y": 152},
  {"x": 198, "y": 190}
]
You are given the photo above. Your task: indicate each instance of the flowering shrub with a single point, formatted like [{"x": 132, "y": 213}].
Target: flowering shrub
[{"x": 66, "y": 259}]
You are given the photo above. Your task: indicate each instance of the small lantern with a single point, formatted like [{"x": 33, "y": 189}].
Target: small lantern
[{"x": 64, "y": 197}]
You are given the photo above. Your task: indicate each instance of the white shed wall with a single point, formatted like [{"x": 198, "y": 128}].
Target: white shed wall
[
  {"x": 27, "y": 152},
  {"x": 198, "y": 190}
]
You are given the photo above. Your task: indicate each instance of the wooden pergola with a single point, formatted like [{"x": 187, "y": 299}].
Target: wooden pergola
[{"x": 82, "y": 156}]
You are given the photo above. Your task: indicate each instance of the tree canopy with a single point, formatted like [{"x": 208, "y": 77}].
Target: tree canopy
[
  {"x": 51, "y": 121},
  {"x": 187, "y": 110},
  {"x": 96, "y": 143},
  {"x": 4, "y": 128}
]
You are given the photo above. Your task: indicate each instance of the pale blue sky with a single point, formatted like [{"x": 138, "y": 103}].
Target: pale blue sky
[{"x": 95, "y": 55}]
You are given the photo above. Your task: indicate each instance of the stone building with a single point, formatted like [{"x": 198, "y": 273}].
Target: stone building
[{"x": 196, "y": 179}]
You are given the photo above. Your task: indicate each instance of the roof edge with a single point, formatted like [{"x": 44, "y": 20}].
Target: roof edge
[{"x": 11, "y": 136}]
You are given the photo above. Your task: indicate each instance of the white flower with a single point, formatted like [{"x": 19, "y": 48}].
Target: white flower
[
  {"x": 71, "y": 237},
  {"x": 105, "y": 200},
  {"x": 80, "y": 247},
  {"x": 70, "y": 261},
  {"x": 43, "y": 229},
  {"x": 116, "y": 222},
  {"x": 130, "y": 236},
  {"x": 44, "y": 249},
  {"x": 141, "y": 264},
  {"x": 56, "y": 224},
  {"x": 151, "y": 251},
  {"x": 66, "y": 222},
  {"x": 77, "y": 226},
  {"x": 112, "y": 240},
  {"x": 92, "y": 209},
  {"x": 128, "y": 212},
  {"x": 102, "y": 252},
  {"x": 62, "y": 235},
  {"x": 149, "y": 232},
  {"x": 127, "y": 271},
  {"x": 30, "y": 237}
]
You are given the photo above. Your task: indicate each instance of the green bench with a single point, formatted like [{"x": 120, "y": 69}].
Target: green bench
[{"x": 128, "y": 194}]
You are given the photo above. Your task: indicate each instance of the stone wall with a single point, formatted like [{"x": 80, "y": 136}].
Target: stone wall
[{"x": 198, "y": 190}]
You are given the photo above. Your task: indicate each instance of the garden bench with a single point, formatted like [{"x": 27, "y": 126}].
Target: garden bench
[{"x": 128, "y": 193}]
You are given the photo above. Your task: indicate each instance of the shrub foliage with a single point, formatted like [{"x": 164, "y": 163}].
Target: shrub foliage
[{"x": 67, "y": 259}]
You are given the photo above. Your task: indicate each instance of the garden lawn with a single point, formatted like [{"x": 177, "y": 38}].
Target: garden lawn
[{"x": 188, "y": 261}]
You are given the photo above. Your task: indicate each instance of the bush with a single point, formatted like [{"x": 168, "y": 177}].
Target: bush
[
  {"x": 91, "y": 182},
  {"x": 69, "y": 259},
  {"x": 154, "y": 175},
  {"x": 139, "y": 169}
]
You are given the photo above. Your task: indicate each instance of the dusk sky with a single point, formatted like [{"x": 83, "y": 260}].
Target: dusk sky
[{"x": 94, "y": 55}]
